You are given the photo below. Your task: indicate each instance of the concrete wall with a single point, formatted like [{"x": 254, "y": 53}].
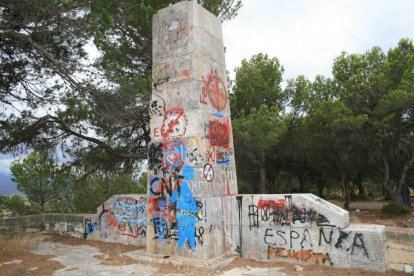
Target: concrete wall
[
  {"x": 399, "y": 247},
  {"x": 191, "y": 159},
  {"x": 66, "y": 224},
  {"x": 300, "y": 228},
  {"x": 122, "y": 218}
]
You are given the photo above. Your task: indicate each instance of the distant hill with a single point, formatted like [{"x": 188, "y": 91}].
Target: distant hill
[{"x": 7, "y": 187}]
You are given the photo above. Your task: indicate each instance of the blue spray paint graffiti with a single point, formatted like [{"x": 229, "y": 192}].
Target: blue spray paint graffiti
[
  {"x": 186, "y": 210},
  {"x": 174, "y": 154}
]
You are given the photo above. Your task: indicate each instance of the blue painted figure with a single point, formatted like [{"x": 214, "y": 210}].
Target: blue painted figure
[{"x": 186, "y": 210}]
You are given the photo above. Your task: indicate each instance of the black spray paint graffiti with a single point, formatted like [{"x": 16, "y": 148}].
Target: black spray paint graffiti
[
  {"x": 253, "y": 216},
  {"x": 349, "y": 241},
  {"x": 199, "y": 234},
  {"x": 358, "y": 242},
  {"x": 161, "y": 81},
  {"x": 155, "y": 156},
  {"x": 208, "y": 172},
  {"x": 281, "y": 239},
  {"x": 157, "y": 107},
  {"x": 194, "y": 157},
  {"x": 283, "y": 212},
  {"x": 240, "y": 207}
]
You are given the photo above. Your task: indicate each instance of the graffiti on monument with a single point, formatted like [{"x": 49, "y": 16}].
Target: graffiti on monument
[
  {"x": 295, "y": 232},
  {"x": 126, "y": 216},
  {"x": 215, "y": 90},
  {"x": 282, "y": 211},
  {"x": 174, "y": 124}
]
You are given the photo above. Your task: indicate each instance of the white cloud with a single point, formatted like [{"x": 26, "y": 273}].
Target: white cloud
[
  {"x": 306, "y": 35},
  {"x": 5, "y": 162}
]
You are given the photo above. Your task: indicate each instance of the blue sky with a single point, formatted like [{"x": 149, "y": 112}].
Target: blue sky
[
  {"x": 7, "y": 187},
  {"x": 305, "y": 35}
]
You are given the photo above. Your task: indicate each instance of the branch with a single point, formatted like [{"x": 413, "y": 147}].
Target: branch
[
  {"x": 97, "y": 141},
  {"x": 55, "y": 64}
]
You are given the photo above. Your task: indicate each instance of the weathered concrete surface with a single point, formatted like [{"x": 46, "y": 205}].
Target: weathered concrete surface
[
  {"x": 300, "y": 228},
  {"x": 191, "y": 159},
  {"x": 83, "y": 260},
  {"x": 254, "y": 271},
  {"x": 400, "y": 249},
  {"x": 209, "y": 265},
  {"x": 122, "y": 218},
  {"x": 67, "y": 224}
]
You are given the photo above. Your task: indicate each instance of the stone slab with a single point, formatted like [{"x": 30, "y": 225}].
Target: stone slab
[{"x": 212, "y": 264}]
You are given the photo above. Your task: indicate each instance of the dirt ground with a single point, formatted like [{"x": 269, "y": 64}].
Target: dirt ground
[
  {"x": 110, "y": 256},
  {"x": 377, "y": 217}
]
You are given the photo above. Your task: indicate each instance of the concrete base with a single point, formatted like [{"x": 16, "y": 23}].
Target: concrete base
[
  {"x": 298, "y": 228},
  {"x": 399, "y": 246},
  {"x": 211, "y": 264}
]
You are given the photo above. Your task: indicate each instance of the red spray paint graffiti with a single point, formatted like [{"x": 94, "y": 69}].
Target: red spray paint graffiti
[
  {"x": 216, "y": 91},
  {"x": 269, "y": 203},
  {"x": 302, "y": 255},
  {"x": 174, "y": 123},
  {"x": 219, "y": 132}
]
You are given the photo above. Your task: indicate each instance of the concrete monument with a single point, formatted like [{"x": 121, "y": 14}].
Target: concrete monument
[{"x": 191, "y": 157}]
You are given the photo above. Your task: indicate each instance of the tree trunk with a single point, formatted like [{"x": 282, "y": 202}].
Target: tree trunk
[
  {"x": 345, "y": 187},
  {"x": 401, "y": 181},
  {"x": 358, "y": 182},
  {"x": 386, "y": 179},
  {"x": 301, "y": 179},
  {"x": 320, "y": 189},
  {"x": 407, "y": 197},
  {"x": 262, "y": 172}
]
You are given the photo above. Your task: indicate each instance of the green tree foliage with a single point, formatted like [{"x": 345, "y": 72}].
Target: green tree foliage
[
  {"x": 378, "y": 85},
  {"x": 93, "y": 190},
  {"x": 255, "y": 135},
  {"x": 339, "y": 133},
  {"x": 53, "y": 188},
  {"x": 16, "y": 204},
  {"x": 257, "y": 82},
  {"x": 57, "y": 98},
  {"x": 36, "y": 177},
  {"x": 257, "y": 122}
]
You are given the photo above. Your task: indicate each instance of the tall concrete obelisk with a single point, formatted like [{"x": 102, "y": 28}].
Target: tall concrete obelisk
[{"x": 191, "y": 156}]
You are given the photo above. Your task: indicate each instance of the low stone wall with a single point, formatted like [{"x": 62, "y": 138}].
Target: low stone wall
[
  {"x": 399, "y": 247},
  {"x": 120, "y": 219},
  {"x": 66, "y": 224}
]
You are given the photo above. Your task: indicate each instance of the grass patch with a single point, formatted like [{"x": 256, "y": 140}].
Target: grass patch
[
  {"x": 395, "y": 209},
  {"x": 14, "y": 245}
]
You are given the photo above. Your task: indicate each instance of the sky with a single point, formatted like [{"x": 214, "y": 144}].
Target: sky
[{"x": 305, "y": 35}]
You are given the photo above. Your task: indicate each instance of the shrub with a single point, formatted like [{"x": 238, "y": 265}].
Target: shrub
[{"x": 395, "y": 209}]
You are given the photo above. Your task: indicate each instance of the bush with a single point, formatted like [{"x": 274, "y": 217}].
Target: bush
[
  {"x": 395, "y": 209},
  {"x": 16, "y": 204}
]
